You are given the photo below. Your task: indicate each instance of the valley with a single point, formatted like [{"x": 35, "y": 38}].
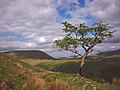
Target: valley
[{"x": 18, "y": 73}]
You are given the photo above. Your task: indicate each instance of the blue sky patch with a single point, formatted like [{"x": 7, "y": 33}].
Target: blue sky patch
[
  {"x": 17, "y": 36},
  {"x": 62, "y": 13},
  {"x": 82, "y": 3}
]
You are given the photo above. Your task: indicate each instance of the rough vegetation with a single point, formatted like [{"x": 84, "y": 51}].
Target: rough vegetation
[
  {"x": 100, "y": 71},
  {"x": 17, "y": 75}
]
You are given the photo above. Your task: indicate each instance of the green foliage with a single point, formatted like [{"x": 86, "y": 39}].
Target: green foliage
[{"x": 83, "y": 35}]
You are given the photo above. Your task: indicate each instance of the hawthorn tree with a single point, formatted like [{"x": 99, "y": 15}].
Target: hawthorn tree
[{"x": 83, "y": 36}]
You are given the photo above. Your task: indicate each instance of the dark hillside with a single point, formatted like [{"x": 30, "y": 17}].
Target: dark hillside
[
  {"x": 110, "y": 56},
  {"x": 117, "y": 52},
  {"x": 30, "y": 54},
  {"x": 17, "y": 75}
]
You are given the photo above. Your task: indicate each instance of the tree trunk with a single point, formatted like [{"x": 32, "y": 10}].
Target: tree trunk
[{"x": 82, "y": 65}]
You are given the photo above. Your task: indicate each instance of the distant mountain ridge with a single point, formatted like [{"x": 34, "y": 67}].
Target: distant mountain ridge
[
  {"x": 110, "y": 52},
  {"x": 30, "y": 54},
  {"x": 108, "y": 55}
]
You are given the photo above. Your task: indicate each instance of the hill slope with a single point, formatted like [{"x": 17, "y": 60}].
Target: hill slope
[
  {"x": 109, "y": 56},
  {"x": 16, "y": 75},
  {"x": 13, "y": 72},
  {"x": 111, "y": 53},
  {"x": 30, "y": 54}
]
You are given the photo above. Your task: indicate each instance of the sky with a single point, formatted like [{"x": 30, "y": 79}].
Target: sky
[{"x": 35, "y": 24}]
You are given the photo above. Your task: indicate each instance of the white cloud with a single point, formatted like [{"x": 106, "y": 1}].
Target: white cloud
[
  {"x": 42, "y": 39},
  {"x": 75, "y": 21},
  {"x": 105, "y": 8},
  {"x": 7, "y": 38},
  {"x": 66, "y": 4},
  {"x": 57, "y": 38},
  {"x": 107, "y": 47},
  {"x": 36, "y": 21}
]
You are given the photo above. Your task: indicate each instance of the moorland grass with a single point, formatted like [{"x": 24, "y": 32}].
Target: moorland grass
[{"x": 17, "y": 75}]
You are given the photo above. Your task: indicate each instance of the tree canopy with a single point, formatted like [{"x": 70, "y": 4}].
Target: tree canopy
[{"x": 83, "y": 36}]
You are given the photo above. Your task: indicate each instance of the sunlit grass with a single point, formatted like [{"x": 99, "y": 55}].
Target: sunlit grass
[
  {"x": 113, "y": 56},
  {"x": 17, "y": 75},
  {"x": 37, "y": 61},
  {"x": 31, "y": 61}
]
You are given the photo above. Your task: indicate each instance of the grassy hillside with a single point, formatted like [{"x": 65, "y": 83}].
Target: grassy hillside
[
  {"x": 110, "y": 56},
  {"x": 105, "y": 67},
  {"x": 116, "y": 52},
  {"x": 13, "y": 73},
  {"x": 30, "y": 54},
  {"x": 16, "y": 75},
  {"x": 100, "y": 71}
]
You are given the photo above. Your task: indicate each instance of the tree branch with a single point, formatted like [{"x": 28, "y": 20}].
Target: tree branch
[{"x": 75, "y": 52}]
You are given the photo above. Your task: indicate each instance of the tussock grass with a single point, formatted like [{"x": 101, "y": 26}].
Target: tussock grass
[
  {"x": 34, "y": 83},
  {"x": 17, "y": 75},
  {"x": 96, "y": 70}
]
